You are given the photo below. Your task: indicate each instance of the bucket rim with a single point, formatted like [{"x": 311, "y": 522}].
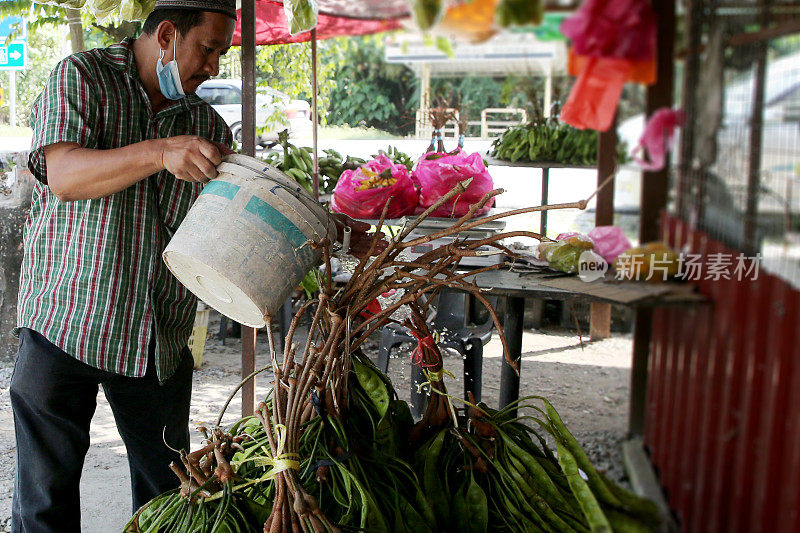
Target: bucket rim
[{"x": 324, "y": 227}]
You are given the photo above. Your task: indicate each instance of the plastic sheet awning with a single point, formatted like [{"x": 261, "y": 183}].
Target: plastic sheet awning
[{"x": 271, "y": 27}]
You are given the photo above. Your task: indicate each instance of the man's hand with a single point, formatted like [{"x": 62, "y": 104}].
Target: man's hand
[
  {"x": 190, "y": 158},
  {"x": 360, "y": 240}
]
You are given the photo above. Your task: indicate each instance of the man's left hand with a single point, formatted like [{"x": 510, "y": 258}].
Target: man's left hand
[{"x": 360, "y": 240}]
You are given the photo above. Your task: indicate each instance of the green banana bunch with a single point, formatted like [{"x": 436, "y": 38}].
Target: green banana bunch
[{"x": 298, "y": 163}]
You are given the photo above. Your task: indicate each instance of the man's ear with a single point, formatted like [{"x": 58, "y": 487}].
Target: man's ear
[{"x": 165, "y": 34}]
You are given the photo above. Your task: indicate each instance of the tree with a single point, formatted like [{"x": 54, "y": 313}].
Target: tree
[
  {"x": 84, "y": 25},
  {"x": 365, "y": 90}
]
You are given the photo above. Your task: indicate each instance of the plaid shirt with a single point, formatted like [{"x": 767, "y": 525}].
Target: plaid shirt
[{"x": 92, "y": 279}]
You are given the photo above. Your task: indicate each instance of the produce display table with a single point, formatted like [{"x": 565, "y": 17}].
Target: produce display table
[
  {"x": 492, "y": 161},
  {"x": 543, "y": 285}
]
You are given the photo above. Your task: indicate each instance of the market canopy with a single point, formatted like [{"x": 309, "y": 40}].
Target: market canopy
[{"x": 271, "y": 26}]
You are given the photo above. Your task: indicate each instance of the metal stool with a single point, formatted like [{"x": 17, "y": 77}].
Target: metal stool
[{"x": 451, "y": 321}]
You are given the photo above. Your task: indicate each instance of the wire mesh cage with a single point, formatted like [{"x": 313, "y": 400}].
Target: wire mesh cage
[{"x": 739, "y": 173}]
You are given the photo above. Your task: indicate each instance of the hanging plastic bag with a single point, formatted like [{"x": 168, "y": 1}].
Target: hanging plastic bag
[
  {"x": 362, "y": 193},
  {"x": 657, "y": 138},
  {"x": 624, "y": 29},
  {"x": 426, "y": 13},
  {"x": 135, "y": 9},
  {"x": 618, "y": 40},
  {"x": 103, "y": 10},
  {"x": 519, "y": 12},
  {"x": 437, "y": 174},
  {"x": 472, "y": 20},
  {"x": 592, "y": 102},
  {"x": 641, "y": 71},
  {"x": 301, "y": 15}
]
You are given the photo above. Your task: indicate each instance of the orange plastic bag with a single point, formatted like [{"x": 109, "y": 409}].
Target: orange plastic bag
[
  {"x": 470, "y": 19},
  {"x": 593, "y": 99},
  {"x": 642, "y": 71}
]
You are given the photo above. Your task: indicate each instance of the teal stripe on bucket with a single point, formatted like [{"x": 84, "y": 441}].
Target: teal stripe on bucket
[
  {"x": 274, "y": 218},
  {"x": 221, "y": 188}
]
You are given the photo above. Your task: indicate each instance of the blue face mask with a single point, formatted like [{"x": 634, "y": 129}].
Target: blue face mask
[{"x": 169, "y": 78}]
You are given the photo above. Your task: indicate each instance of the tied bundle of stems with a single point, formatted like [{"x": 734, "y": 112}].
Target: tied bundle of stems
[
  {"x": 331, "y": 446},
  {"x": 439, "y": 116}
]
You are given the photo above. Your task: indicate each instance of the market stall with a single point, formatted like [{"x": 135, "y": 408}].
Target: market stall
[{"x": 332, "y": 447}]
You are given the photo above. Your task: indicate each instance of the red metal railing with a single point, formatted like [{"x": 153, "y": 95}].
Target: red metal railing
[{"x": 723, "y": 407}]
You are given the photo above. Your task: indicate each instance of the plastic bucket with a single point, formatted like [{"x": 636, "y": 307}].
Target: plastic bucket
[{"x": 244, "y": 246}]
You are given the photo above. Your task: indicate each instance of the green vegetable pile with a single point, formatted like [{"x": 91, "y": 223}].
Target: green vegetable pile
[
  {"x": 489, "y": 472},
  {"x": 550, "y": 141},
  {"x": 333, "y": 449}
]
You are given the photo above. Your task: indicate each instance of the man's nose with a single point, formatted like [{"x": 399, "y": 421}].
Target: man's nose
[{"x": 212, "y": 66}]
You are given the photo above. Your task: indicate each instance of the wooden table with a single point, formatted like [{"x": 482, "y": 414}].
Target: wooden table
[{"x": 515, "y": 287}]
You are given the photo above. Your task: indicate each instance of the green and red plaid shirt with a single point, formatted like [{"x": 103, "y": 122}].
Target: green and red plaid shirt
[{"x": 92, "y": 279}]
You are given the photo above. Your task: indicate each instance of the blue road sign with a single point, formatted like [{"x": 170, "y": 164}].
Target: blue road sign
[
  {"x": 13, "y": 25},
  {"x": 13, "y": 56}
]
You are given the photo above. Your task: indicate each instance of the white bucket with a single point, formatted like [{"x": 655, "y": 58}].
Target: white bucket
[{"x": 244, "y": 246}]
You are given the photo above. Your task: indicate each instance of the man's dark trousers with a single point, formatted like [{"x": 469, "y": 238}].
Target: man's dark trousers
[{"x": 54, "y": 397}]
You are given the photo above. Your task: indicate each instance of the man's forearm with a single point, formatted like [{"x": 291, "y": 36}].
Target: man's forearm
[{"x": 77, "y": 173}]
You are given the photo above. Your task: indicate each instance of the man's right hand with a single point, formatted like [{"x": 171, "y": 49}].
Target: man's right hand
[{"x": 190, "y": 158}]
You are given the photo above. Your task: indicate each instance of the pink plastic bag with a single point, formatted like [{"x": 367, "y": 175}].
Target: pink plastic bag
[
  {"x": 657, "y": 138},
  {"x": 609, "y": 242},
  {"x": 436, "y": 177},
  {"x": 616, "y": 38},
  {"x": 623, "y": 29},
  {"x": 369, "y": 202}
]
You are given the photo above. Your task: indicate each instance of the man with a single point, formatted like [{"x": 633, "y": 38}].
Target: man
[{"x": 121, "y": 149}]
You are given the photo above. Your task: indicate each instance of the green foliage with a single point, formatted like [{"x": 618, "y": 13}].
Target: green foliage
[
  {"x": 550, "y": 141},
  {"x": 44, "y": 15},
  {"x": 367, "y": 91}
]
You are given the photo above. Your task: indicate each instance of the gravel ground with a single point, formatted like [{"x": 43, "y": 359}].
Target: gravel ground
[{"x": 588, "y": 384}]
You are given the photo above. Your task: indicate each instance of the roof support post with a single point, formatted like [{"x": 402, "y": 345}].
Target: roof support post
[
  {"x": 655, "y": 187},
  {"x": 248, "y": 148}
]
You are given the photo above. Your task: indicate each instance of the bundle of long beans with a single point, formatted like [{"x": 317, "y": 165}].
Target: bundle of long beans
[{"x": 332, "y": 448}]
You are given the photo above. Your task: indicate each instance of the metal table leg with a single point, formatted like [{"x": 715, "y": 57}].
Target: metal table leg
[
  {"x": 545, "y": 186},
  {"x": 473, "y": 369},
  {"x": 509, "y": 380}
]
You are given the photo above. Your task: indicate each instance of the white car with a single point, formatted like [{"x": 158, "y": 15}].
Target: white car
[{"x": 225, "y": 96}]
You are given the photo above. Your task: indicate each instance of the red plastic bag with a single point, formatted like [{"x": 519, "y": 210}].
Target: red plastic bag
[
  {"x": 362, "y": 193},
  {"x": 657, "y": 138},
  {"x": 623, "y": 29},
  {"x": 437, "y": 176},
  {"x": 592, "y": 102}
]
